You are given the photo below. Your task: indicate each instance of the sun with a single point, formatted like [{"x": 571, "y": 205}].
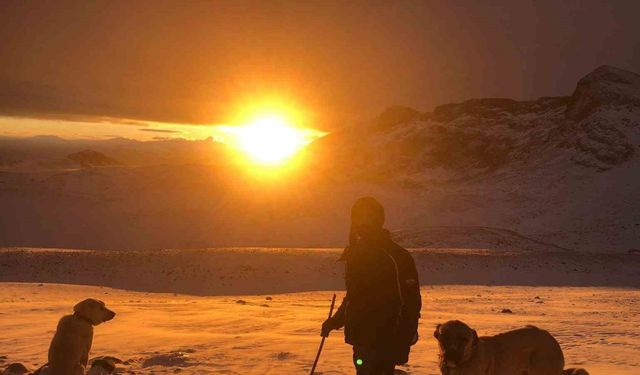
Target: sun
[
  {"x": 269, "y": 140},
  {"x": 266, "y": 135}
]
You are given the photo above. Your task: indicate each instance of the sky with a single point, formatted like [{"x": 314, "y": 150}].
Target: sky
[{"x": 148, "y": 69}]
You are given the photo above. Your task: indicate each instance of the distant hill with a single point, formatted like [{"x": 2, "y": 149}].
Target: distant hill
[
  {"x": 49, "y": 153},
  {"x": 90, "y": 158}
]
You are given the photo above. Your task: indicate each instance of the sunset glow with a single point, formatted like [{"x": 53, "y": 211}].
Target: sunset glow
[
  {"x": 269, "y": 140},
  {"x": 251, "y": 187}
]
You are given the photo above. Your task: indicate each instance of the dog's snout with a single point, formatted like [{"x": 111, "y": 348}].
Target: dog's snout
[
  {"x": 110, "y": 315},
  {"x": 452, "y": 357}
]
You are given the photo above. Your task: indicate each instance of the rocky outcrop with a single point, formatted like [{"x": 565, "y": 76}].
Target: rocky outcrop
[
  {"x": 90, "y": 158},
  {"x": 605, "y": 86},
  {"x": 494, "y": 108}
]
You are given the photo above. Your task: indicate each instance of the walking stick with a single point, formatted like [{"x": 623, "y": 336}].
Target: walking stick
[{"x": 315, "y": 363}]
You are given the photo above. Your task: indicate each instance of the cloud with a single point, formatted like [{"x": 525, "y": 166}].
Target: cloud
[
  {"x": 159, "y": 130},
  {"x": 50, "y": 102}
]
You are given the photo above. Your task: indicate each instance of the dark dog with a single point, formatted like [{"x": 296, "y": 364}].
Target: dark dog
[{"x": 527, "y": 350}]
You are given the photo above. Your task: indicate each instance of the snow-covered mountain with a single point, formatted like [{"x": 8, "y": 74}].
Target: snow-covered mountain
[
  {"x": 598, "y": 127},
  {"x": 565, "y": 170},
  {"x": 557, "y": 172}
]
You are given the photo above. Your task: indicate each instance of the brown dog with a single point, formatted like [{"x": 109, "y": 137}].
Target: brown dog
[
  {"x": 527, "y": 350},
  {"x": 69, "y": 350}
]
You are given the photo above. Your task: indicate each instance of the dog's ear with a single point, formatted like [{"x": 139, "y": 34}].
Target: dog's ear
[
  {"x": 436, "y": 333},
  {"x": 82, "y": 308},
  {"x": 475, "y": 337}
]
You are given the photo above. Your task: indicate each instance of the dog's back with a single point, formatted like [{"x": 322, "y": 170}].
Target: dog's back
[
  {"x": 530, "y": 339},
  {"x": 69, "y": 349},
  {"x": 528, "y": 348},
  {"x": 542, "y": 349}
]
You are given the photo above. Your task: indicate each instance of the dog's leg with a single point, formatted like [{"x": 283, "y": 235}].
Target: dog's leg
[
  {"x": 79, "y": 369},
  {"x": 84, "y": 361}
]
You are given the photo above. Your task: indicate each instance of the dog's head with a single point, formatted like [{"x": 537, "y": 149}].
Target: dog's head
[
  {"x": 93, "y": 311},
  {"x": 457, "y": 341}
]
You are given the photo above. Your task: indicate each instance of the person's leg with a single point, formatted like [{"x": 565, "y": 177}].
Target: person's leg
[
  {"x": 362, "y": 360},
  {"x": 369, "y": 361},
  {"x": 383, "y": 367}
]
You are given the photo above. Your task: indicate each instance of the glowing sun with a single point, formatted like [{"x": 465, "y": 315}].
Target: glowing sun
[
  {"x": 268, "y": 135},
  {"x": 269, "y": 140}
]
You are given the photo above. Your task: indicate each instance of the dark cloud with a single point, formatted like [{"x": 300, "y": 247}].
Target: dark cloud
[
  {"x": 159, "y": 130},
  {"x": 192, "y": 62},
  {"x": 46, "y": 101}
]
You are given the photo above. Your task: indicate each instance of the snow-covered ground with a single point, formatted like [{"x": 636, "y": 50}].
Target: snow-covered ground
[
  {"x": 258, "y": 310},
  {"x": 160, "y": 333}
]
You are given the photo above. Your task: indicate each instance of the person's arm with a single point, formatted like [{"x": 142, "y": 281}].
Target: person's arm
[
  {"x": 412, "y": 301},
  {"x": 337, "y": 320},
  {"x": 339, "y": 315}
]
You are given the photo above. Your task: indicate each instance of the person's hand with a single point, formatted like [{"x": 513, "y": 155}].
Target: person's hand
[{"x": 328, "y": 326}]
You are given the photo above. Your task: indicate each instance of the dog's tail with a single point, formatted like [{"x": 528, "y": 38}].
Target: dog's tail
[{"x": 575, "y": 371}]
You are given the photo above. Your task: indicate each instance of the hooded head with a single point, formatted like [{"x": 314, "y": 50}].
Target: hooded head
[{"x": 367, "y": 217}]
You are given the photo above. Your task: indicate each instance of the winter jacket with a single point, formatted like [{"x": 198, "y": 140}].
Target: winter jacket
[{"x": 382, "y": 305}]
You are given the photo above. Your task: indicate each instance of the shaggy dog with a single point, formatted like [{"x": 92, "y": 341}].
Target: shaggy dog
[{"x": 528, "y": 350}]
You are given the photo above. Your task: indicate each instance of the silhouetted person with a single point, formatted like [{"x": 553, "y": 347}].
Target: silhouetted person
[{"x": 381, "y": 309}]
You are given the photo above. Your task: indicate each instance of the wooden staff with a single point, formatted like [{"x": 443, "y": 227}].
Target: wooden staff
[{"x": 315, "y": 363}]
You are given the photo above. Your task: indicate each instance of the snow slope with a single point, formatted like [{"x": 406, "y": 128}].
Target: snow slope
[{"x": 233, "y": 271}]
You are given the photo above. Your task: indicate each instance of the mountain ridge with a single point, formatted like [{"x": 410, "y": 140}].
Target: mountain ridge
[{"x": 527, "y": 167}]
